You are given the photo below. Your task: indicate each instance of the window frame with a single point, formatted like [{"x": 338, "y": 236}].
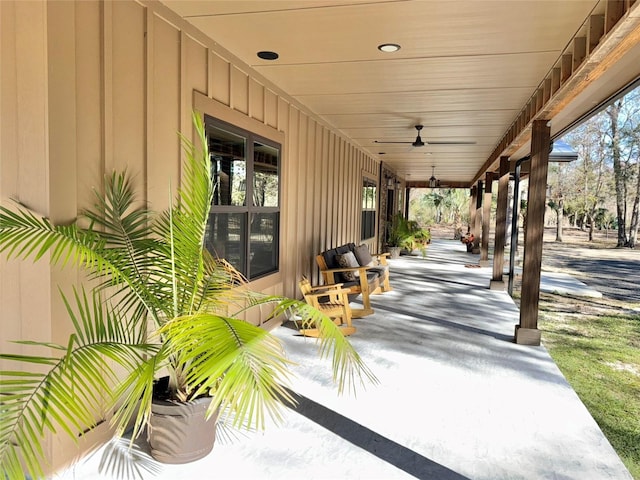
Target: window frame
[
  {"x": 249, "y": 210},
  {"x": 366, "y": 213}
]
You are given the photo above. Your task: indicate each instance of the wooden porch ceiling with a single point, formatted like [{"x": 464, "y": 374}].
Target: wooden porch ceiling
[{"x": 469, "y": 70}]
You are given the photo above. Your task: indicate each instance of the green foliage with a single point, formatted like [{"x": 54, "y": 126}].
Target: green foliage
[
  {"x": 444, "y": 205},
  {"x": 161, "y": 302},
  {"x": 407, "y": 234},
  {"x": 599, "y": 356}
]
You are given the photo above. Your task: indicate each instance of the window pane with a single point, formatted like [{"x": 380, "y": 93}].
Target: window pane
[
  {"x": 226, "y": 237},
  {"x": 368, "y": 224},
  {"x": 265, "y": 175},
  {"x": 228, "y": 167},
  {"x": 264, "y": 243}
]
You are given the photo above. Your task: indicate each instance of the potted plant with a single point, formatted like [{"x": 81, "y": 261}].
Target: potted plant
[
  {"x": 397, "y": 235},
  {"x": 404, "y": 234},
  {"x": 160, "y": 306},
  {"x": 421, "y": 239}
]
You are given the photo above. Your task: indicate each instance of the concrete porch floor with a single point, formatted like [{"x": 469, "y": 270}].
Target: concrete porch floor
[{"x": 456, "y": 398}]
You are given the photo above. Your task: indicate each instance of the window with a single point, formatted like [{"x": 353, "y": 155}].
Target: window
[
  {"x": 244, "y": 224},
  {"x": 368, "y": 208}
]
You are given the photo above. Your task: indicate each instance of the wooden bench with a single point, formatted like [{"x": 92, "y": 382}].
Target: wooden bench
[{"x": 358, "y": 271}]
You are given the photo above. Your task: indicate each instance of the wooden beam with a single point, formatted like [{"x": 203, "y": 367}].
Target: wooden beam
[
  {"x": 539, "y": 99},
  {"x": 610, "y": 49},
  {"x": 595, "y": 31},
  {"x": 472, "y": 209},
  {"x": 444, "y": 184},
  {"x": 486, "y": 217},
  {"x": 546, "y": 90},
  {"x": 497, "y": 282},
  {"x": 527, "y": 331},
  {"x": 555, "y": 80},
  {"x": 579, "y": 51},
  {"x": 566, "y": 67},
  {"x": 613, "y": 13},
  {"x": 477, "y": 218}
]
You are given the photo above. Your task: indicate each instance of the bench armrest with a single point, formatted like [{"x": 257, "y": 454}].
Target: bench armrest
[
  {"x": 328, "y": 286},
  {"x": 329, "y": 293},
  {"x": 346, "y": 269}
]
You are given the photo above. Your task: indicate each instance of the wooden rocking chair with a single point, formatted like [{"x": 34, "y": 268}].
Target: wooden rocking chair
[{"x": 332, "y": 300}]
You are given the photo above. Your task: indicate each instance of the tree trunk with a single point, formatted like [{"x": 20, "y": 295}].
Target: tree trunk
[
  {"x": 559, "y": 215},
  {"x": 613, "y": 111},
  {"x": 635, "y": 220}
]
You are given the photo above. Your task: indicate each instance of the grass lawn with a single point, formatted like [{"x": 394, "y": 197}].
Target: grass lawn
[{"x": 599, "y": 354}]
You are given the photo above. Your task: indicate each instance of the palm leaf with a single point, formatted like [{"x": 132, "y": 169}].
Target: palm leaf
[
  {"x": 74, "y": 390},
  {"x": 147, "y": 266},
  {"x": 243, "y": 364},
  {"x": 24, "y": 235},
  {"x": 349, "y": 371},
  {"x": 183, "y": 226}
]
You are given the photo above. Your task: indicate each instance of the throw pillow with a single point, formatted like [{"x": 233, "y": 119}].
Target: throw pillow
[
  {"x": 363, "y": 256},
  {"x": 348, "y": 260}
]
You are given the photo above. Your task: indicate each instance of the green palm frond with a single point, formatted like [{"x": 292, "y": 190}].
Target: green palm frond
[
  {"x": 243, "y": 365},
  {"x": 349, "y": 371},
  {"x": 76, "y": 387},
  {"x": 183, "y": 226},
  {"x": 24, "y": 235},
  {"x": 147, "y": 267},
  {"x": 135, "y": 394},
  {"x": 123, "y": 225}
]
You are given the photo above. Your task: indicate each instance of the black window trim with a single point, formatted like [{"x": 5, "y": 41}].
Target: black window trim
[{"x": 249, "y": 208}]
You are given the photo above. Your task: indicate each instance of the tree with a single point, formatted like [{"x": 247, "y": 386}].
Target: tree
[
  {"x": 586, "y": 182},
  {"x": 619, "y": 171},
  {"x": 444, "y": 205},
  {"x": 557, "y": 193},
  {"x": 631, "y": 144}
]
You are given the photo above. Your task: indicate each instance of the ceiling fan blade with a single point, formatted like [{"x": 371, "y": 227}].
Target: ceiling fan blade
[
  {"x": 377, "y": 141},
  {"x": 451, "y": 143}
]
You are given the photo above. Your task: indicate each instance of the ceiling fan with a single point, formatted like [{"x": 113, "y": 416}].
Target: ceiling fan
[{"x": 419, "y": 143}]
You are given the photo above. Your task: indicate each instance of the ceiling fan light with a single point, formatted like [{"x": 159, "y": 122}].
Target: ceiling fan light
[
  {"x": 433, "y": 181},
  {"x": 389, "y": 47}
]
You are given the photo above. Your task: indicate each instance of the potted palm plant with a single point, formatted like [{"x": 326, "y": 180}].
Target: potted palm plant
[
  {"x": 404, "y": 234},
  {"x": 160, "y": 329},
  {"x": 397, "y": 235}
]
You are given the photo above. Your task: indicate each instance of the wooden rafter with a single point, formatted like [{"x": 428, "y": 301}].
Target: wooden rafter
[{"x": 609, "y": 37}]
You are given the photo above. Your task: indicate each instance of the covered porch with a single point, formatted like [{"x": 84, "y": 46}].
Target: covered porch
[
  {"x": 457, "y": 398},
  {"x": 89, "y": 87}
]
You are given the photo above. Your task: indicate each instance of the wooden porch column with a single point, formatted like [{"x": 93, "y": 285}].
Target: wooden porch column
[
  {"x": 486, "y": 217},
  {"x": 477, "y": 219},
  {"x": 497, "y": 282},
  {"x": 527, "y": 332},
  {"x": 472, "y": 209}
]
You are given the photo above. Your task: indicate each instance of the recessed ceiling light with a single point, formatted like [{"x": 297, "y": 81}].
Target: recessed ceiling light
[
  {"x": 267, "y": 55},
  {"x": 389, "y": 47}
]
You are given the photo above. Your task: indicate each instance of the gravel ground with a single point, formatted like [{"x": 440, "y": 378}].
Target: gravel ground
[{"x": 615, "y": 272}]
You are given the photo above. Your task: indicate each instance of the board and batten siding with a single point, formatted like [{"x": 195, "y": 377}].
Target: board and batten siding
[{"x": 89, "y": 87}]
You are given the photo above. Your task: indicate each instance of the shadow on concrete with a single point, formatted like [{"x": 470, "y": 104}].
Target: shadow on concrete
[{"x": 385, "y": 449}]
